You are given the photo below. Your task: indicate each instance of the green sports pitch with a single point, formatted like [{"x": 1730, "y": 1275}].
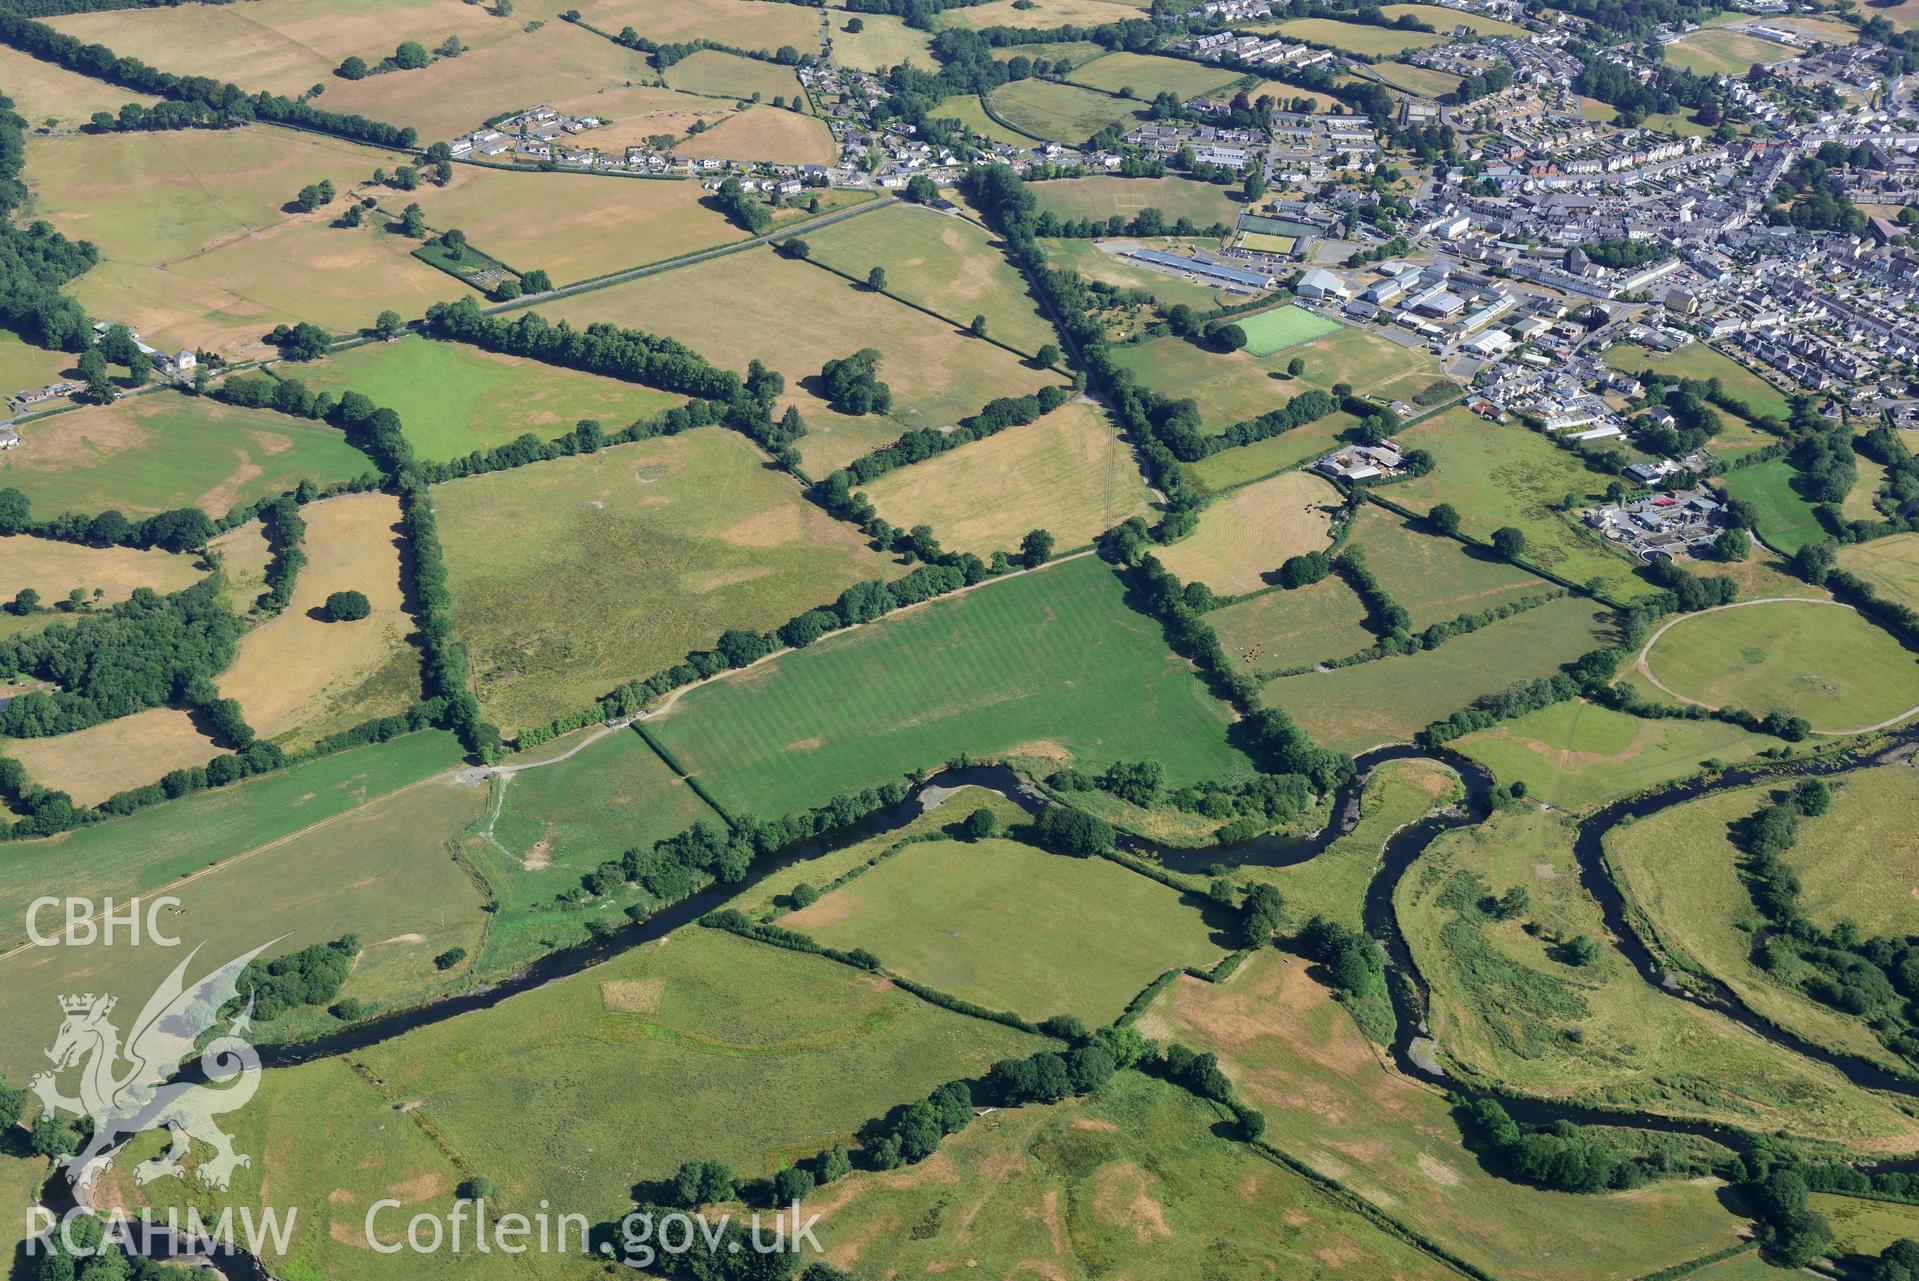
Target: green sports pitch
[{"x": 1283, "y": 327}]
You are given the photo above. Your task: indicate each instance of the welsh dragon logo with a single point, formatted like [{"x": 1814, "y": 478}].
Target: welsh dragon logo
[{"x": 126, "y": 1090}]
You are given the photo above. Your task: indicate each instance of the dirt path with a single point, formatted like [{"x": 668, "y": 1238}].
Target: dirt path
[{"x": 1645, "y": 668}]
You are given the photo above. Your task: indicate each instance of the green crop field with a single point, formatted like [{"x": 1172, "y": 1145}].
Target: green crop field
[
  {"x": 1697, "y": 360},
  {"x": 980, "y": 919},
  {"x": 1834, "y": 668},
  {"x": 1784, "y": 520},
  {"x": 1059, "y": 112},
  {"x": 750, "y": 1055},
  {"x": 1353, "y": 37},
  {"x": 1575, "y": 755},
  {"x": 1146, "y": 74},
  {"x": 1391, "y": 699},
  {"x": 1283, "y": 327},
  {"x": 1503, "y": 1005},
  {"x": 801, "y": 318},
  {"x": 154, "y": 452},
  {"x": 1050, "y": 668},
  {"x": 944, "y": 264},
  {"x": 1890, "y": 565},
  {"x": 1681, "y": 870},
  {"x": 621, "y": 562},
  {"x": 1130, "y": 1173},
  {"x": 1293, "y": 1052},
  {"x": 453, "y": 399},
  {"x": 1505, "y": 475},
  {"x": 1280, "y": 629},
  {"x": 1102, "y": 197},
  {"x": 1436, "y": 578},
  {"x": 1069, "y": 473}
]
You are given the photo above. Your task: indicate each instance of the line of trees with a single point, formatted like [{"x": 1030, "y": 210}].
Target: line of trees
[
  {"x": 228, "y": 101},
  {"x": 35, "y": 261},
  {"x": 630, "y": 354},
  {"x": 921, "y": 443},
  {"x": 285, "y": 533}
]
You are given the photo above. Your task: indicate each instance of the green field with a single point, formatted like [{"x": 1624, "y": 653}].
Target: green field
[
  {"x": 1127, "y": 1182},
  {"x": 1783, "y": 519},
  {"x": 383, "y": 871},
  {"x": 547, "y": 825},
  {"x": 1680, "y": 869},
  {"x": 1335, "y": 1104},
  {"x": 1506, "y": 475},
  {"x": 1353, "y": 37},
  {"x": 1890, "y": 565},
  {"x": 1280, "y": 629},
  {"x": 1102, "y": 197},
  {"x": 621, "y": 562},
  {"x": 946, "y": 265},
  {"x": 1699, "y": 361},
  {"x": 1424, "y": 81},
  {"x": 1391, "y": 699},
  {"x": 1715, "y": 51},
  {"x": 1246, "y": 463},
  {"x": 163, "y": 450},
  {"x": 971, "y": 112},
  {"x": 1232, "y": 387},
  {"x": 454, "y": 399},
  {"x": 1147, "y": 74},
  {"x": 1434, "y": 577},
  {"x": 1050, "y": 668},
  {"x": 981, "y": 920},
  {"x": 883, "y": 43},
  {"x": 1575, "y": 755},
  {"x": 1283, "y": 327},
  {"x": 749, "y": 1055},
  {"x": 1865, "y": 1227},
  {"x": 1333, "y": 882},
  {"x": 1504, "y": 1006},
  {"x": 1831, "y": 666},
  {"x": 1059, "y": 112}
]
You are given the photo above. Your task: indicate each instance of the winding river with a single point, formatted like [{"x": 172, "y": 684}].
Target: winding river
[{"x": 1408, "y": 988}]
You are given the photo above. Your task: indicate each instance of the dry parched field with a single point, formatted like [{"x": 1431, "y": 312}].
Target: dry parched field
[
  {"x": 574, "y": 576},
  {"x": 944, "y": 264},
  {"x": 1296, "y": 1054},
  {"x": 285, "y": 46},
  {"x": 1252, "y": 531},
  {"x": 43, "y": 91},
  {"x": 767, "y": 133},
  {"x": 299, "y": 677},
  {"x": 573, "y": 226},
  {"x": 741, "y": 23},
  {"x": 795, "y": 317},
  {"x": 54, "y": 568},
  {"x": 454, "y": 95},
  {"x": 1890, "y": 565},
  {"x": 92, "y": 764},
  {"x": 727, "y": 75},
  {"x": 1069, "y": 474}
]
